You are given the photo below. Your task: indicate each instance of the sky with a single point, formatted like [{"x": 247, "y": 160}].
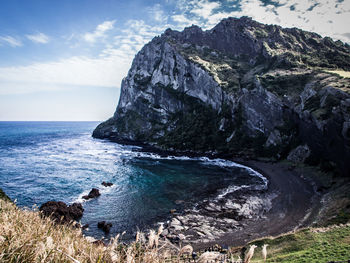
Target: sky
[{"x": 63, "y": 60}]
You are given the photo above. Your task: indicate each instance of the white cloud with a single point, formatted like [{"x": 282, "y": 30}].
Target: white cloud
[
  {"x": 40, "y": 38},
  {"x": 183, "y": 21},
  {"x": 74, "y": 71},
  {"x": 99, "y": 31},
  {"x": 328, "y": 18},
  {"x": 204, "y": 8},
  {"x": 13, "y": 42},
  {"x": 157, "y": 13}
]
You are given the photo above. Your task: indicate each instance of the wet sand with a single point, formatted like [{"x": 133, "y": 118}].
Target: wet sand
[{"x": 295, "y": 206}]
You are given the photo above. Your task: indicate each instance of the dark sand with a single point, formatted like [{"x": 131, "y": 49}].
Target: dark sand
[{"x": 295, "y": 206}]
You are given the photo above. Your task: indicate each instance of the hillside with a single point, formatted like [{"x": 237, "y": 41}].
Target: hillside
[{"x": 240, "y": 89}]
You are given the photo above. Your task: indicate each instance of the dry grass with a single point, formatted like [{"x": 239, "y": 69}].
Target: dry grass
[{"x": 27, "y": 237}]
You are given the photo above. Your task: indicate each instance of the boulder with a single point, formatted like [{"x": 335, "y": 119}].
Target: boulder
[
  {"x": 60, "y": 212},
  {"x": 104, "y": 226},
  {"x": 299, "y": 154},
  {"x": 93, "y": 194}
]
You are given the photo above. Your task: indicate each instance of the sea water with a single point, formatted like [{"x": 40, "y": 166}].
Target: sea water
[{"x": 43, "y": 161}]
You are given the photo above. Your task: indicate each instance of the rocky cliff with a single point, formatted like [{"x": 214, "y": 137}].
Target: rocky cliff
[{"x": 241, "y": 88}]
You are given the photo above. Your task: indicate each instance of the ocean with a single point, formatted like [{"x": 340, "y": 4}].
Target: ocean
[{"x": 43, "y": 161}]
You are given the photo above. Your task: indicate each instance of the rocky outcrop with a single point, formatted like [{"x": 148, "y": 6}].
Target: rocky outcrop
[
  {"x": 241, "y": 88},
  {"x": 3, "y": 196},
  {"x": 106, "y": 227},
  {"x": 61, "y": 213},
  {"x": 94, "y": 193}
]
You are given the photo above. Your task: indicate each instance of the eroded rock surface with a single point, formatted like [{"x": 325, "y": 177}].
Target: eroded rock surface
[{"x": 62, "y": 213}]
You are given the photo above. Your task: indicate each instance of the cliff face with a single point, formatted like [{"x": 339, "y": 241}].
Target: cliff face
[{"x": 241, "y": 88}]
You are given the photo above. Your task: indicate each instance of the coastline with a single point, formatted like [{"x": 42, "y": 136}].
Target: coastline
[{"x": 295, "y": 204}]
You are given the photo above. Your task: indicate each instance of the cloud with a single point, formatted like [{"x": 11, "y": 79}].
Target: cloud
[
  {"x": 13, "y": 42},
  {"x": 182, "y": 21},
  {"x": 157, "y": 13},
  {"x": 40, "y": 38},
  {"x": 328, "y": 18},
  {"x": 100, "y": 31},
  {"x": 204, "y": 8},
  {"x": 65, "y": 73}
]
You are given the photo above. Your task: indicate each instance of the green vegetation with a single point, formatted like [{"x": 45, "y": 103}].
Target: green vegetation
[
  {"x": 285, "y": 84},
  {"x": 308, "y": 245}
]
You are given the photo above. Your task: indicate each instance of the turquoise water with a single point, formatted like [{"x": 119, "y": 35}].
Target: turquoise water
[{"x": 42, "y": 161}]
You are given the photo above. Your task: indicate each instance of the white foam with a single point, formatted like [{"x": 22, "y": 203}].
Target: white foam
[
  {"x": 232, "y": 189},
  {"x": 102, "y": 189}
]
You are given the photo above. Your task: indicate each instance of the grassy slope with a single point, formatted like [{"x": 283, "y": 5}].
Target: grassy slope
[{"x": 308, "y": 245}]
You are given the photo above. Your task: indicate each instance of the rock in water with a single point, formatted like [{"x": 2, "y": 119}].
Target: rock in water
[
  {"x": 240, "y": 88},
  {"x": 106, "y": 184},
  {"x": 60, "y": 212},
  {"x": 93, "y": 194},
  {"x": 104, "y": 226}
]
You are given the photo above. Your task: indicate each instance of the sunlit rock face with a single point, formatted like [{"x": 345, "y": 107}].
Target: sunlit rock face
[{"x": 241, "y": 88}]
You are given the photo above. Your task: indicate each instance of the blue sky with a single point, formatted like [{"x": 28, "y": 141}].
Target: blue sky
[{"x": 64, "y": 60}]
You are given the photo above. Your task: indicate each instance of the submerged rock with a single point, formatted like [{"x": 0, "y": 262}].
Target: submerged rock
[
  {"x": 60, "y": 212},
  {"x": 104, "y": 226},
  {"x": 93, "y": 194}
]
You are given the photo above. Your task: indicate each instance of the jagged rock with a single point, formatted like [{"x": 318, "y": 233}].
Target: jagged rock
[
  {"x": 60, "y": 212},
  {"x": 299, "y": 154},
  {"x": 104, "y": 226},
  {"x": 93, "y": 194},
  {"x": 3, "y": 196},
  {"x": 240, "y": 88},
  {"x": 106, "y": 184}
]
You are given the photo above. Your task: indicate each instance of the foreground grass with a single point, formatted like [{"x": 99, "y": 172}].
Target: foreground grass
[
  {"x": 27, "y": 237},
  {"x": 308, "y": 245}
]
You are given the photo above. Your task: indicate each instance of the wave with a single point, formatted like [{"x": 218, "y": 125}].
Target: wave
[{"x": 102, "y": 189}]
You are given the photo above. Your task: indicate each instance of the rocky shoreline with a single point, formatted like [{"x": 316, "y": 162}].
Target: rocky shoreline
[{"x": 289, "y": 202}]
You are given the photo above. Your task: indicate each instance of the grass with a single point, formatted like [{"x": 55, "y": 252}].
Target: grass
[
  {"x": 25, "y": 236},
  {"x": 307, "y": 245}
]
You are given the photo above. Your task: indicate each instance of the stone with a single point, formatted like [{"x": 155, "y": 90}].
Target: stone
[
  {"x": 106, "y": 184},
  {"x": 299, "y": 154},
  {"x": 93, "y": 194},
  {"x": 60, "y": 212},
  {"x": 104, "y": 226}
]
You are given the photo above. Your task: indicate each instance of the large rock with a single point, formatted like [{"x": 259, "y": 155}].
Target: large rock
[
  {"x": 62, "y": 213},
  {"x": 92, "y": 194},
  {"x": 106, "y": 227},
  {"x": 299, "y": 154},
  {"x": 240, "y": 88}
]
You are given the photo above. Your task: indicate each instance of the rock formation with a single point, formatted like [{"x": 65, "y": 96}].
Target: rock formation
[
  {"x": 241, "y": 88},
  {"x": 94, "y": 193},
  {"x": 62, "y": 213}
]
